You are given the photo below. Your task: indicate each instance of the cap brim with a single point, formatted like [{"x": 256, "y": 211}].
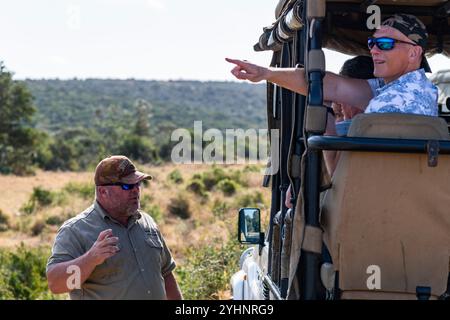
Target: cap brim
[
  {"x": 424, "y": 65},
  {"x": 135, "y": 177}
]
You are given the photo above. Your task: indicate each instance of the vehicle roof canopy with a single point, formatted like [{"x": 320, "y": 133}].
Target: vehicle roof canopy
[
  {"x": 345, "y": 27},
  {"x": 442, "y": 80}
]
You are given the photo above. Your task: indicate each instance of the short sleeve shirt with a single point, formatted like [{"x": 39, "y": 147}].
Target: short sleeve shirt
[
  {"x": 411, "y": 93},
  {"x": 137, "y": 271}
]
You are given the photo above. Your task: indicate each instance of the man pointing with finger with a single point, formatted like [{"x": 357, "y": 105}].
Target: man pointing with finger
[
  {"x": 401, "y": 86},
  {"x": 115, "y": 250}
]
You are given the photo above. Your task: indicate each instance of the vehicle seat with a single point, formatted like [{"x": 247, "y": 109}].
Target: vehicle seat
[{"x": 390, "y": 210}]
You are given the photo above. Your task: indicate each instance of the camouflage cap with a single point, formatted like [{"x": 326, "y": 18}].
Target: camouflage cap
[
  {"x": 414, "y": 29},
  {"x": 118, "y": 169}
]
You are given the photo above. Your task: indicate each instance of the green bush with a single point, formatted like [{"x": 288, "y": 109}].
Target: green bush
[
  {"x": 228, "y": 187},
  {"x": 255, "y": 199},
  {"x": 176, "y": 176},
  {"x": 138, "y": 148},
  {"x": 55, "y": 220},
  {"x": 39, "y": 198},
  {"x": 252, "y": 168},
  {"x": 5, "y": 292},
  {"x": 179, "y": 206},
  {"x": 60, "y": 198},
  {"x": 198, "y": 187},
  {"x": 228, "y": 182},
  {"x": 208, "y": 270},
  {"x": 84, "y": 190},
  {"x": 219, "y": 209},
  {"x": 29, "y": 207},
  {"x": 64, "y": 154},
  {"x": 22, "y": 273},
  {"x": 155, "y": 212},
  {"x": 237, "y": 177},
  {"x": 213, "y": 177},
  {"x": 152, "y": 209},
  {"x": 18, "y": 138},
  {"x": 4, "y": 222},
  {"x": 42, "y": 197}
]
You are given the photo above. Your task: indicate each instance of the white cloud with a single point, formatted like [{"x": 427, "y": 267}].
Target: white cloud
[
  {"x": 58, "y": 60},
  {"x": 152, "y": 4},
  {"x": 155, "y": 4}
]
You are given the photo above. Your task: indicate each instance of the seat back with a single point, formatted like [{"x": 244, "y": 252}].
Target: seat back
[{"x": 388, "y": 214}]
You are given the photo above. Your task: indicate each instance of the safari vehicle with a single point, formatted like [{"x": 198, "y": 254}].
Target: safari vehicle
[
  {"x": 442, "y": 80},
  {"x": 380, "y": 227}
]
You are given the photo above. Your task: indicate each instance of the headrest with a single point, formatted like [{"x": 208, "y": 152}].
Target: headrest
[{"x": 398, "y": 126}]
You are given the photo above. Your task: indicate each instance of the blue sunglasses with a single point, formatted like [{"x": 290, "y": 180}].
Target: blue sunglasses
[
  {"x": 125, "y": 186},
  {"x": 385, "y": 43}
]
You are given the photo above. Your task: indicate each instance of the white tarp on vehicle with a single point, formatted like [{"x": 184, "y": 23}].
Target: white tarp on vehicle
[{"x": 442, "y": 80}]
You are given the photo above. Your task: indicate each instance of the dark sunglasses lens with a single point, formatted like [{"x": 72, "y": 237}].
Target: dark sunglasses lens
[
  {"x": 130, "y": 186},
  {"x": 385, "y": 43},
  {"x": 382, "y": 43}
]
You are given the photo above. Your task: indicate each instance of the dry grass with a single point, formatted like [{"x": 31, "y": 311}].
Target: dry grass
[
  {"x": 203, "y": 227},
  {"x": 18, "y": 189},
  {"x": 213, "y": 218}
]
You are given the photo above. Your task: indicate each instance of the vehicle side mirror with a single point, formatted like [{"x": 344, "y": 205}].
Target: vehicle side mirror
[
  {"x": 249, "y": 229},
  {"x": 447, "y": 102}
]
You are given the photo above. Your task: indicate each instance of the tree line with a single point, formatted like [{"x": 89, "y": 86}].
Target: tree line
[{"x": 73, "y": 124}]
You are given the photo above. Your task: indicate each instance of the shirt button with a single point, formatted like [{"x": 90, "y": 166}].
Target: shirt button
[
  {"x": 148, "y": 291},
  {"x": 142, "y": 270}
]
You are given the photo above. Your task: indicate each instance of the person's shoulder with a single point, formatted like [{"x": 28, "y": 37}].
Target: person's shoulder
[
  {"x": 79, "y": 218},
  {"x": 375, "y": 84},
  {"x": 419, "y": 84},
  {"x": 147, "y": 219},
  {"x": 417, "y": 77}
]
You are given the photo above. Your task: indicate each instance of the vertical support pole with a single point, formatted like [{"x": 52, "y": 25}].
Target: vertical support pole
[{"x": 316, "y": 116}]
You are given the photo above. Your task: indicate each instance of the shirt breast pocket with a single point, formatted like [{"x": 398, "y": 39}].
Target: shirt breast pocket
[
  {"x": 153, "y": 250},
  {"x": 152, "y": 239}
]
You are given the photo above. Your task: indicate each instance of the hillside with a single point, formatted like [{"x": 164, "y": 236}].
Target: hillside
[{"x": 175, "y": 104}]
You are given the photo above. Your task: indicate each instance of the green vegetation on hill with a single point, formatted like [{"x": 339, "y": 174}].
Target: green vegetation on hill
[
  {"x": 90, "y": 103},
  {"x": 18, "y": 139},
  {"x": 72, "y": 124},
  {"x": 88, "y": 119}
]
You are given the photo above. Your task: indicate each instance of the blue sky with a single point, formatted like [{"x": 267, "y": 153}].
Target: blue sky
[{"x": 143, "y": 39}]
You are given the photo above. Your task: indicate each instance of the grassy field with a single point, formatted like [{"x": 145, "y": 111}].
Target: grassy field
[{"x": 195, "y": 207}]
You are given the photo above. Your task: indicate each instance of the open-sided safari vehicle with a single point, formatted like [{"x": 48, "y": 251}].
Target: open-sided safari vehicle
[{"x": 380, "y": 228}]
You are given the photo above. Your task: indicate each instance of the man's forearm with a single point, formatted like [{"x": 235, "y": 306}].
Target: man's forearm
[
  {"x": 58, "y": 274},
  {"x": 336, "y": 88},
  {"x": 294, "y": 79},
  {"x": 172, "y": 289},
  {"x": 289, "y": 78}
]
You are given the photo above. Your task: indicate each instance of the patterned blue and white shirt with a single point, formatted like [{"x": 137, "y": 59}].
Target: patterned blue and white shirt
[{"x": 411, "y": 93}]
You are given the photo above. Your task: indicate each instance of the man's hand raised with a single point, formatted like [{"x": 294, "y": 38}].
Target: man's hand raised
[
  {"x": 104, "y": 248},
  {"x": 248, "y": 71}
]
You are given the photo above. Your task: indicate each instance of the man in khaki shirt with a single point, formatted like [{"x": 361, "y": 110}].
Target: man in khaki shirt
[{"x": 112, "y": 250}]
